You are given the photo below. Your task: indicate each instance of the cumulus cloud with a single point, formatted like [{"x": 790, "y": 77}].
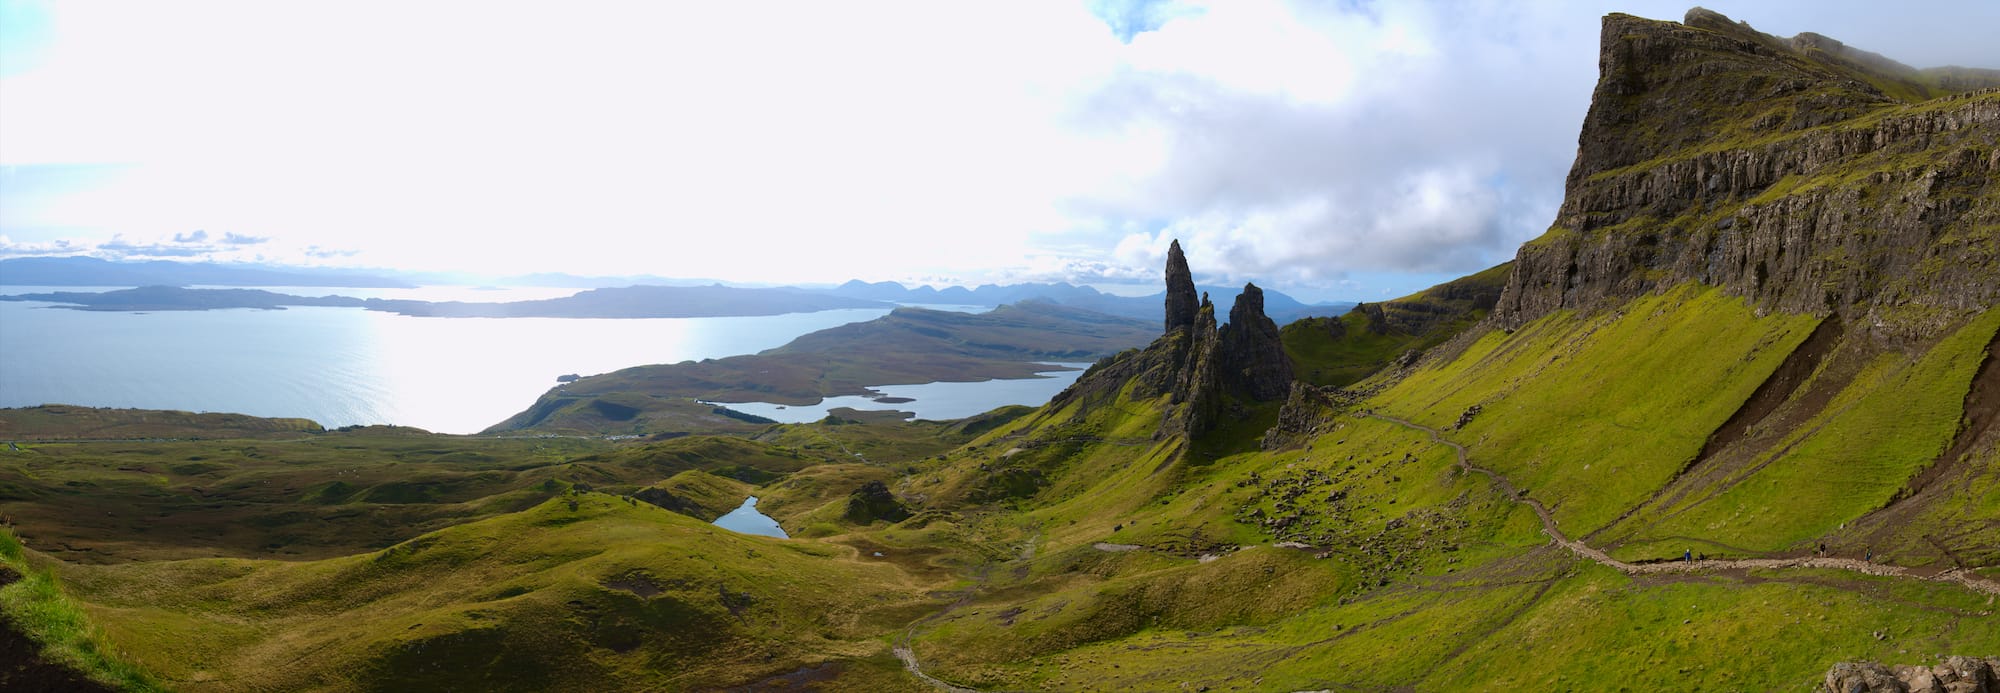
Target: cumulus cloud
[
  {"x": 62, "y": 246},
  {"x": 1294, "y": 143},
  {"x": 1399, "y": 139},
  {"x": 119, "y": 247}
]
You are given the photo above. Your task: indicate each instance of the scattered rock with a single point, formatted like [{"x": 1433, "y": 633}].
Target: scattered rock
[{"x": 1955, "y": 674}]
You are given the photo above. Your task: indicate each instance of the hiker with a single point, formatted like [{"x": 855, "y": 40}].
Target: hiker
[{"x": 1687, "y": 556}]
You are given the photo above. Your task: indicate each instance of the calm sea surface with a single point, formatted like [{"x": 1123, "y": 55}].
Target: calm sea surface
[
  {"x": 355, "y": 367},
  {"x": 342, "y": 366}
]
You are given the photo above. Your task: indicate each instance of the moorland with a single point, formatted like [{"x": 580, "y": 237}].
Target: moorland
[{"x": 1729, "y": 424}]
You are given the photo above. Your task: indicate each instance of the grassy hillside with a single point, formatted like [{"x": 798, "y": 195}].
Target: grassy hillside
[
  {"x": 1367, "y": 559},
  {"x": 1734, "y": 419},
  {"x": 67, "y": 422},
  {"x": 1075, "y": 548},
  {"x": 1340, "y": 351},
  {"x": 584, "y": 591}
]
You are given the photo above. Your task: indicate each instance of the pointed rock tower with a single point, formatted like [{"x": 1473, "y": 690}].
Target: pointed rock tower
[{"x": 1181, "y": 305}]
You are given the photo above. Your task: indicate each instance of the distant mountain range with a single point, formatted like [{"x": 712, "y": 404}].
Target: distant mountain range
[
  {"x": 627, "y": 302},
  {"x": 156, "y": 282},
  {"x": 1280, "y": 307}
]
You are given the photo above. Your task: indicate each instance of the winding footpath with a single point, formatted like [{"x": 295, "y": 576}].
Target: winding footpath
[
  {"x": 1956, "y": 576},
  {"x": 1579, "y": 548}
]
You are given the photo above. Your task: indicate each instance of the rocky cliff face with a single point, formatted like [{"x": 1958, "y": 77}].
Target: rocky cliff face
[
  {"x": 1805, "y": 174},
  {"x": 1252, "y": 359},
  {"x": 1204, "y": 369},
  {"x": 1181, "y": 306}
]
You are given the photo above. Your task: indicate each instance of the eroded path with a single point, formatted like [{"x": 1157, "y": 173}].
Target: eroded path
[{"x": 1956, "y": 576}]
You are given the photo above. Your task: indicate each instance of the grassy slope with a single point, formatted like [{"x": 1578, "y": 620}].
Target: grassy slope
[
  {"x": 1324, "y": 353},
  {"x": 313, "y": 497},
  {"x": 35, "y": 605},
  {"x": 1463, "y": 592},
  {"x": 509, "y": 574},
  {"x": 583, "y": 591},
  {"x": 697, "y": 494},
  {"x": 67, "y": 422},
  {"x": 1894, "y": 420},
  {"x": 1592, "y": 415}
]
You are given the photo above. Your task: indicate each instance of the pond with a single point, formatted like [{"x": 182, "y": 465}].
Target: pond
[{"x": 746, "y": 520}]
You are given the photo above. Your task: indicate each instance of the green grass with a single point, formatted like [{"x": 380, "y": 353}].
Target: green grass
[
  {"x": 1891, "y": 422},
  {"x": 36, "y": 606},
  {"x": 697, "y": 494},
  {"x": 1771, "y": 631},
  {"x": 1340, "y": 351},
  {"x": 67, "y": 422},
  {"x": 583, "y": 591},
  {"x": 1591, "y": 415}
]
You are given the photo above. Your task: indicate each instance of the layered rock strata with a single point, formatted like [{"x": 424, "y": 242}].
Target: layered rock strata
[{"x": 1804, "y": 174}]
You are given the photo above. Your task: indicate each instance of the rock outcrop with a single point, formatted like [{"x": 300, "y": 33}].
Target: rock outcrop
[
  {"x": 1204, "y": 371},
  {"x": 872, "y": 502},
  {"x": 1807, "y": 175},
  {"x": 1181, "y": 304},
  {"x": 1953, "y": 675},
  {"x": 1252, "y": 358}
]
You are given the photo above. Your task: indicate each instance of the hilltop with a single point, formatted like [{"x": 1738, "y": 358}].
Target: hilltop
[{"x": 1729, "y": 425}]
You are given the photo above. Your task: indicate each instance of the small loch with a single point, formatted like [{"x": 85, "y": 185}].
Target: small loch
[{"x": 746, "y": 520}]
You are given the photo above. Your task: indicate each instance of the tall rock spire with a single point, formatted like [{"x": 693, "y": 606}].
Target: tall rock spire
[
  {"x": 1182, "y": 303},
  {"x": 1254, "y": 355}
]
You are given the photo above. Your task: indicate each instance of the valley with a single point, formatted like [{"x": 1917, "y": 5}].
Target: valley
[{"x": 1728, "y": 425}]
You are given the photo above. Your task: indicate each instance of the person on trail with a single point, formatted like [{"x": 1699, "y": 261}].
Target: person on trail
[{"x": 1688, "y": 556}]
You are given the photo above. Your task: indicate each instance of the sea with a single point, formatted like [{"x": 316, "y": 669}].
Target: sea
[{"x": 348, "y": 366}]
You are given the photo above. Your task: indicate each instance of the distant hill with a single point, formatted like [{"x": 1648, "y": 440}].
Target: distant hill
[
  {"x": 910, "y": 345},
  {"x": 638, "y": 302},
  {"x": 1280, "y": 307},
  {"x": 1733, "y": 423},
  {"x": 626, "y": 302},
  {"x": 90, "y": 271}
]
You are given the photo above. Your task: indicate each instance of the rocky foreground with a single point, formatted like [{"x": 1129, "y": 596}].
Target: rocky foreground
[{"x": 1952, "y": 675}]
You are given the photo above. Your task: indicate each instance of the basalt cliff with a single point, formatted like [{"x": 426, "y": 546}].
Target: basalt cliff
[
  {"x": 1209, "y": 371},
  {"x": 1805, "y": 174}
]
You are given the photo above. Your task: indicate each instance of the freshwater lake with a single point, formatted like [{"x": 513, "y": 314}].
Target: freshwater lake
[
  {"x": 347, "y": 366},
  {"x": 937, "y": 401}
]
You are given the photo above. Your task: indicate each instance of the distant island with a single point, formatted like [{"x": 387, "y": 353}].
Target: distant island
[
  {"x": 908, "y": 346},
  {"x": 649, "y": 301},
  {"x": 627, "y": 302}
]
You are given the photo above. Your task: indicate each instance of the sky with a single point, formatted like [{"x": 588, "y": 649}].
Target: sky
[{"x": 1350, "y": 150}]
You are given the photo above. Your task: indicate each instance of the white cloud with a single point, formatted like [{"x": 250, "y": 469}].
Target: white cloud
[{"x": 1293, "y": 143}]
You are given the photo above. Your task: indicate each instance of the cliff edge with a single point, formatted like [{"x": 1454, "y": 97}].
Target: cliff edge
[{"x": 1808, "y": 175}]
